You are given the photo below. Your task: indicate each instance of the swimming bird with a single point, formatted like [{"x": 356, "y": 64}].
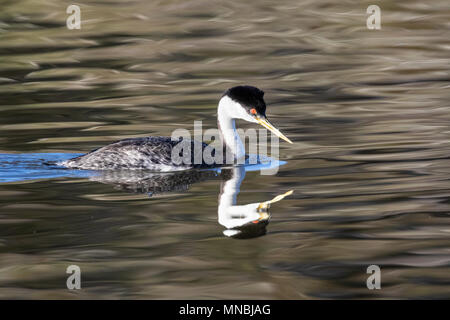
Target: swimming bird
[{"x": 155, "y": 152}]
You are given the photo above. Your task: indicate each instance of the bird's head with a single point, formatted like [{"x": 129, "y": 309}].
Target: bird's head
[{"x": 247, "y": 103}]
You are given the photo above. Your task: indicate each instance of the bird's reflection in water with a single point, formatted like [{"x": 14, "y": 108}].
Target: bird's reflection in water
[{"x": 241, "y": 221}]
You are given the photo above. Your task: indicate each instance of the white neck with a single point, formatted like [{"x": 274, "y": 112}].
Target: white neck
[{"x": 227, "y": 126}]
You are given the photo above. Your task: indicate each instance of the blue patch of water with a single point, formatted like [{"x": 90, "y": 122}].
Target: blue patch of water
[{"x": 32, "y": 166}]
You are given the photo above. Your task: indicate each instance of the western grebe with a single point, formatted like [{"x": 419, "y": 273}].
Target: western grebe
[{"x": 155, "y": 153}]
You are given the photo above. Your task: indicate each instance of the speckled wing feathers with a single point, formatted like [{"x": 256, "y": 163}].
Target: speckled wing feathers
[{"x": 152, "y": 153}]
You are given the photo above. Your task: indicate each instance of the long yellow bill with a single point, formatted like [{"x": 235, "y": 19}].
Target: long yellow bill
[
  {"x": 266, "y": 205},
  {"x": 266, "y": 124}
]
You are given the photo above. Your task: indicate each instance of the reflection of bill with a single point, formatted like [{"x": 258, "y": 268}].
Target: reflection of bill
[{"x": 242, "y": 221}]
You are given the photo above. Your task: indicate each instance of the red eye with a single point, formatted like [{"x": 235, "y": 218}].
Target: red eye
[{"x": 253, "y": 111}]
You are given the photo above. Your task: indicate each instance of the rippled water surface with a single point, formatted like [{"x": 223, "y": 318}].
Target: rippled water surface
[{"x": 368, "y": 111}]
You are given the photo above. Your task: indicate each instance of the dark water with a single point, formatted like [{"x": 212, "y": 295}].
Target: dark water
[{"x": 368, "y": 111}]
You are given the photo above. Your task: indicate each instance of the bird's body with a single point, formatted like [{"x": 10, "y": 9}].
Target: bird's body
[
  {"x": 149, "y": 153},
  {"x": 161, "y": 153}
]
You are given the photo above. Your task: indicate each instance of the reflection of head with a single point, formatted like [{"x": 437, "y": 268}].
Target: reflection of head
[
  {"x": 247, "y": 231},
  {"x": 242, "y": 221}
]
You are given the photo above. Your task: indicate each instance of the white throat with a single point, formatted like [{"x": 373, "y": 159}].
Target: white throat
[{"x": 227, "y": 111}]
